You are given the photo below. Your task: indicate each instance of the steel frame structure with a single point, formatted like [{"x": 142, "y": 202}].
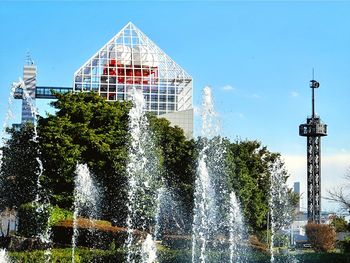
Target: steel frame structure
[
  {"x": 313, "y": 129},
  {"x": 131, "y": 60}
]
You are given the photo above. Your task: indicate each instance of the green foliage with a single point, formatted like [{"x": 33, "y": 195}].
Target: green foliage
[
  {"x": 249, "y": 166},
  {"x": 321, "y": 237},
  {"x": 339, "y": 224},
  {"x": 19, "y": 170},
  {"x": 59, "y": 214},
  {"x": 177, "y": 157},
  {"x": 174, "y": 256},
  {"x": 164, "y": 256},
  {"x": 65, "y": 256},
  {"x": 86, "y": 129},
  {"x": 345, "y": 245},
  {"x": 324, "y": 257},
  {"x": 32, "y": 220}
]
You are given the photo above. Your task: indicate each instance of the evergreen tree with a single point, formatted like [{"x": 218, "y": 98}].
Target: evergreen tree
[{"x": 20, "y": 168}]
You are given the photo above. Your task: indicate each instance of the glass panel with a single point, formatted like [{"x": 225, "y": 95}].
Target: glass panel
[
  {"x": 162, "y": 106},
  {"x": 120, "y": 96},
  {"x": 154, "y": 106},
  {"x": 162, "y": 98},
  {"x": 171, "y": 98},
  {"x": 171, "y": 107},
  {"x": 154, "y": 98}
]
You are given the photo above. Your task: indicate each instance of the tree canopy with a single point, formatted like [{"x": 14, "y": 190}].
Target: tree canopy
[
  {"x": 19, "y": 169},
  {"x": 249, "y": 165},
  {"x": 88, "y": 129}
]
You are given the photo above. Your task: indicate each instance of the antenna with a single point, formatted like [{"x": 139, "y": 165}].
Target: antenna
[
  {"x": 313, "y": 84},
  {"x": 29, "y": 60}
]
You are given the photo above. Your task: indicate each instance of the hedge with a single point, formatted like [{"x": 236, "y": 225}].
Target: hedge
[{"x": 164, "y": 256}]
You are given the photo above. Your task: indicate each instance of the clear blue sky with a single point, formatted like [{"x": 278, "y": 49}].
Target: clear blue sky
[{"x": 257, "y": 56}]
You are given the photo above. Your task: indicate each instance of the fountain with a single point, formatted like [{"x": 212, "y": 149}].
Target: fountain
[
  {"x": 171, "y": 218},
  {"x": 142, "y": 169},
  {"x": 86, "y": 200},
  {"x": 40, "y": 201},
  {"x": 3, "y": 256},
  {"x": 9, "y": 113},
  {"x": 238, "y": 252},
  {"x": 216, "y": 209},
  {"x": 218, "y": 233},
  {"x": 280, "y": 212}
]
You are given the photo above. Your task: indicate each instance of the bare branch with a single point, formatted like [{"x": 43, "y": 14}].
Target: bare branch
[{"x": 338, "y": 195}]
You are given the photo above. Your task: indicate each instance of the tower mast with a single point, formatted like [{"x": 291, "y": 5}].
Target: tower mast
[{"x": 313, "y": 130}]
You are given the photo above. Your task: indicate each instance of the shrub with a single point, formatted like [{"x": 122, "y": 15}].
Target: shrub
[
  {"x": 321, "y": 237},
  {"x": 65, "y": 256},
  {"x": 58, "y": 214},
  {"x": 256, "y": 245},
  {"x": 345, "y": 245},
  {"x": 92, "y": 233},
  {"x": 32, "y": 219}
]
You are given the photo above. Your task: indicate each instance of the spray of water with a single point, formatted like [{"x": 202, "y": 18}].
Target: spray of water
[
  {"x": 42, "y": 205},
  {"x": 4, "y": 257},
  {"x": 142, "y": 169},
  {"x": 205, "y": 210},
  {"x": 160, "y": 197},
  {"x": 148, "y": 250},
  {"x": 171, "y": 217},
  {"x": 280, "y": 211},
  {"x": 9, "y": 113},
  {"x": 237, "y": 232},
  {"x": 216, "y": 210},
  {"x": 9, "y": 116},
  {"x": 86, "y": 200}
]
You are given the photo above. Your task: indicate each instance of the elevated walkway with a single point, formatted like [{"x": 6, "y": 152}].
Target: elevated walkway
[{"x": 43, "y": 92}]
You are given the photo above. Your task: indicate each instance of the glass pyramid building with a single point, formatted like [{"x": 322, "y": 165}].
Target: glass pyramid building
[{"x": 130, "y": 59}]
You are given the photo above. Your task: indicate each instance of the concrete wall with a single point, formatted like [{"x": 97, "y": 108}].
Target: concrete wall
[{"x": 183, "y": 119}]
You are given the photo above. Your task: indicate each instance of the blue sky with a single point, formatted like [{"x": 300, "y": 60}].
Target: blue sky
[{"x": 257, "y": 56}]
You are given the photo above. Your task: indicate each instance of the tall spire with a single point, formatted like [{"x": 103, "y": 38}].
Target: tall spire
[{"x": 313, "y": 129}]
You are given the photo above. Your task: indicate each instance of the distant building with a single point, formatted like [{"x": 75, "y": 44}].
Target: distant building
[
  {"x": 29, "y": 78},
  {"x": 131, "y": 60},
  {"x": 296, "y": 190}
]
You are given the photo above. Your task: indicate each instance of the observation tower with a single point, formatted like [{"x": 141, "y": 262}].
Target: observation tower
[{"x": 313, "y": 130}]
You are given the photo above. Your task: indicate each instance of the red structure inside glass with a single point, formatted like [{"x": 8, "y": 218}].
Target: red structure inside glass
[{"x": 131, "y": 74}]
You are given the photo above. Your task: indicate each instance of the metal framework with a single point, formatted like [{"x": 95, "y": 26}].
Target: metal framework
[
  {"x": 131, "y": 60},
  {"x": 313, "y": 129}
]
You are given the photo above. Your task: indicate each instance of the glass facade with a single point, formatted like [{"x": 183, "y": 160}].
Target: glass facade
[{"x": 130, "y": 59}]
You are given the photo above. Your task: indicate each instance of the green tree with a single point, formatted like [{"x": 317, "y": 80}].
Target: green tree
[
  {"x": 339, "y": 224},
  {"x": 177, "y": 156},
  {"x": 86, "y": 129},
  {"x": 20, "y": 168},
  {"x": 249, "y": 165}
]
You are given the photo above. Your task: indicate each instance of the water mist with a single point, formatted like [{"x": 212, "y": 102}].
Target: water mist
[{"x": 143, "y": 174}]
